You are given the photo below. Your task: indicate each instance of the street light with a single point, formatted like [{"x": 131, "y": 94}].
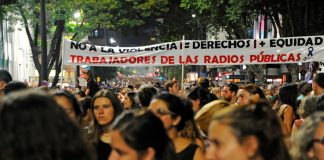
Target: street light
[{"x": 77, "y": 15}]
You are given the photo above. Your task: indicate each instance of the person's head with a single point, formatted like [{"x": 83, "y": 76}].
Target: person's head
[
  {"x": 318, "y": 84},
  {"x": 139, "y": 135},
  {"x": 288, "y": 95},
  {"x": 85, "y": 104},
  {"x": 204, "y": 83},
  {"x": 14, "y": 86},
  {"x": 320, "y": 103},
  {"x": 249, "y": 132},
  {"x": 247, "y": 92},
  {"x": 69, "y": 103},
  {"x": 88, "y": 75},
  {"x": 306, "y": 89},
  {"x": 5, "y": 78},
  {"x": 79, "y": 95},
  {"x": 172, "y": 86},
  {"x": 172, "y": 111},
  {"x": 199, "y": 97},
  {"x": 145, "y": 94},
  {"x": 216, "y": 91},
  {"x": 129, "y": 101},
  {"x": 308, "y": 143},
  {"x": 203, "y": 116},
  {"x": 33, "y": 126},
  {"x": 105, "y": 108},
  {"x": 307, "y": 106},
  {"x": 229, "y": 92}
]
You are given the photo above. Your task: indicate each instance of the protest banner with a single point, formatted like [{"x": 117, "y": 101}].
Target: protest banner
[{"x": 199, "y": 52}]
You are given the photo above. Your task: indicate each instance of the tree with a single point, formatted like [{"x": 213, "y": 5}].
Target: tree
[
  {"x": 289, "y": 17},
  {"x": 110, "y": 14}
]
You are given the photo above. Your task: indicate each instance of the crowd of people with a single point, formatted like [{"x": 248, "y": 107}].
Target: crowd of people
[{"x": 159, "y": 122}]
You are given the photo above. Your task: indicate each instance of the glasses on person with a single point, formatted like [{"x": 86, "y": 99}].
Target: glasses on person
[
  {"x": 318, "y": 140},
  {"x": 161, "y": 112}
]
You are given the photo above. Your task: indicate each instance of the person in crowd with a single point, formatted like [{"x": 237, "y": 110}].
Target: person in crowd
[
  {"x": 229, "y": 92},
  {"x": 14, "y": 86},
  {"x": 308, "y": 143},
  {"x": 80, "y": 94},
  {"x": 305, "y": 90},
  {"x": 203, "y": 117},
  {"x": 92, "y": 86},
  {"x": 121, "y": 93},
  {"x": 245, "y": 93},
  {"x": 33, "y": 126},
  {"x": 318, "y": 84},
  {"x": 306, "y": 108},
  {"x": 140, "y": 135},
  {"x": 205, "y": 84},
  {"x": 105, "y": 108},
  {"x": 287, "y": 106},
  {"x": 5, "y": 78},
  {"x": 145, "y": 94},
  {"x": 86, "y": 117},
  {"x": 129, "y": 102},
  {"x": 217, "y": 92},
  {"x": 300, "y": 85},
  {"x": 172, "y": 87},
  {"x": 173, "y": 113},
  {"x": 251, "y": 132},
  {"x": 191, "y": 130},
  {"x": 320, "y": 103},
  {"x": 69, "y": 103},
  {"x": 199, "y": 97}
]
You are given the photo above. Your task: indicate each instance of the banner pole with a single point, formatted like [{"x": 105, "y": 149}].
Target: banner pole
[
  {"x": 62, "y": 63},
  {"x": 182, "y": 68}
]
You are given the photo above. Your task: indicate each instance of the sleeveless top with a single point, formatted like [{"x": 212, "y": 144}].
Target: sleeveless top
[
  {"x": 281, "y": 114},
  {"x": 188, "y": 153}
]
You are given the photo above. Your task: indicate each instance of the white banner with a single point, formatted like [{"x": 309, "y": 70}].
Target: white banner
[{"x": 197, "y": 52}]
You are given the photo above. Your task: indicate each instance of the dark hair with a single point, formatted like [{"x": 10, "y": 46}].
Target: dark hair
[
  {"x": 254, "y": 89},
  {"x": 118, "y": 109},
  {"x": 85, "y": 104},
  {"x": 81, "y": 93},
  {"x": 288, "y": 95},
  {"x": 300, "y": 85},
  {"x": 33, "y": 126},
  {"x": 141, "y": 130},
  {"x": 205, "y": 83},
  {"x": 320, "y": 103},
  {"x": 200, "y": 93},
  {"x": 89, "y": 73},
  {"x": 169, "y": 84},
  {"x": 319, "y": 79},
  {"x": 15, "y": 86},
  {"x": 145, "y": 94},
  {"x": 5, "y": 76},
  {"x": 72, "y": 99},
  {"x": 257, "y": 119},
  {"x": 132, "y": 97},
  {"x": 178, "y": 107},
  {"x": 232, "y": 87},
  {"x": 306, "y": 89}
]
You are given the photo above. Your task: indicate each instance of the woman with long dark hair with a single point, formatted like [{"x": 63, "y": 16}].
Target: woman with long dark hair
[
  {"x": 105, "y": 108},
  {"x": 139, "y": 135},
  {"x": 174, "y": 113}
]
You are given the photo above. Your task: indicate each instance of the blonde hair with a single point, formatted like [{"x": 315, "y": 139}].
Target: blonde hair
[
  {"x": 215, "y": 90},
  {"x": 204, "y": 115}
]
